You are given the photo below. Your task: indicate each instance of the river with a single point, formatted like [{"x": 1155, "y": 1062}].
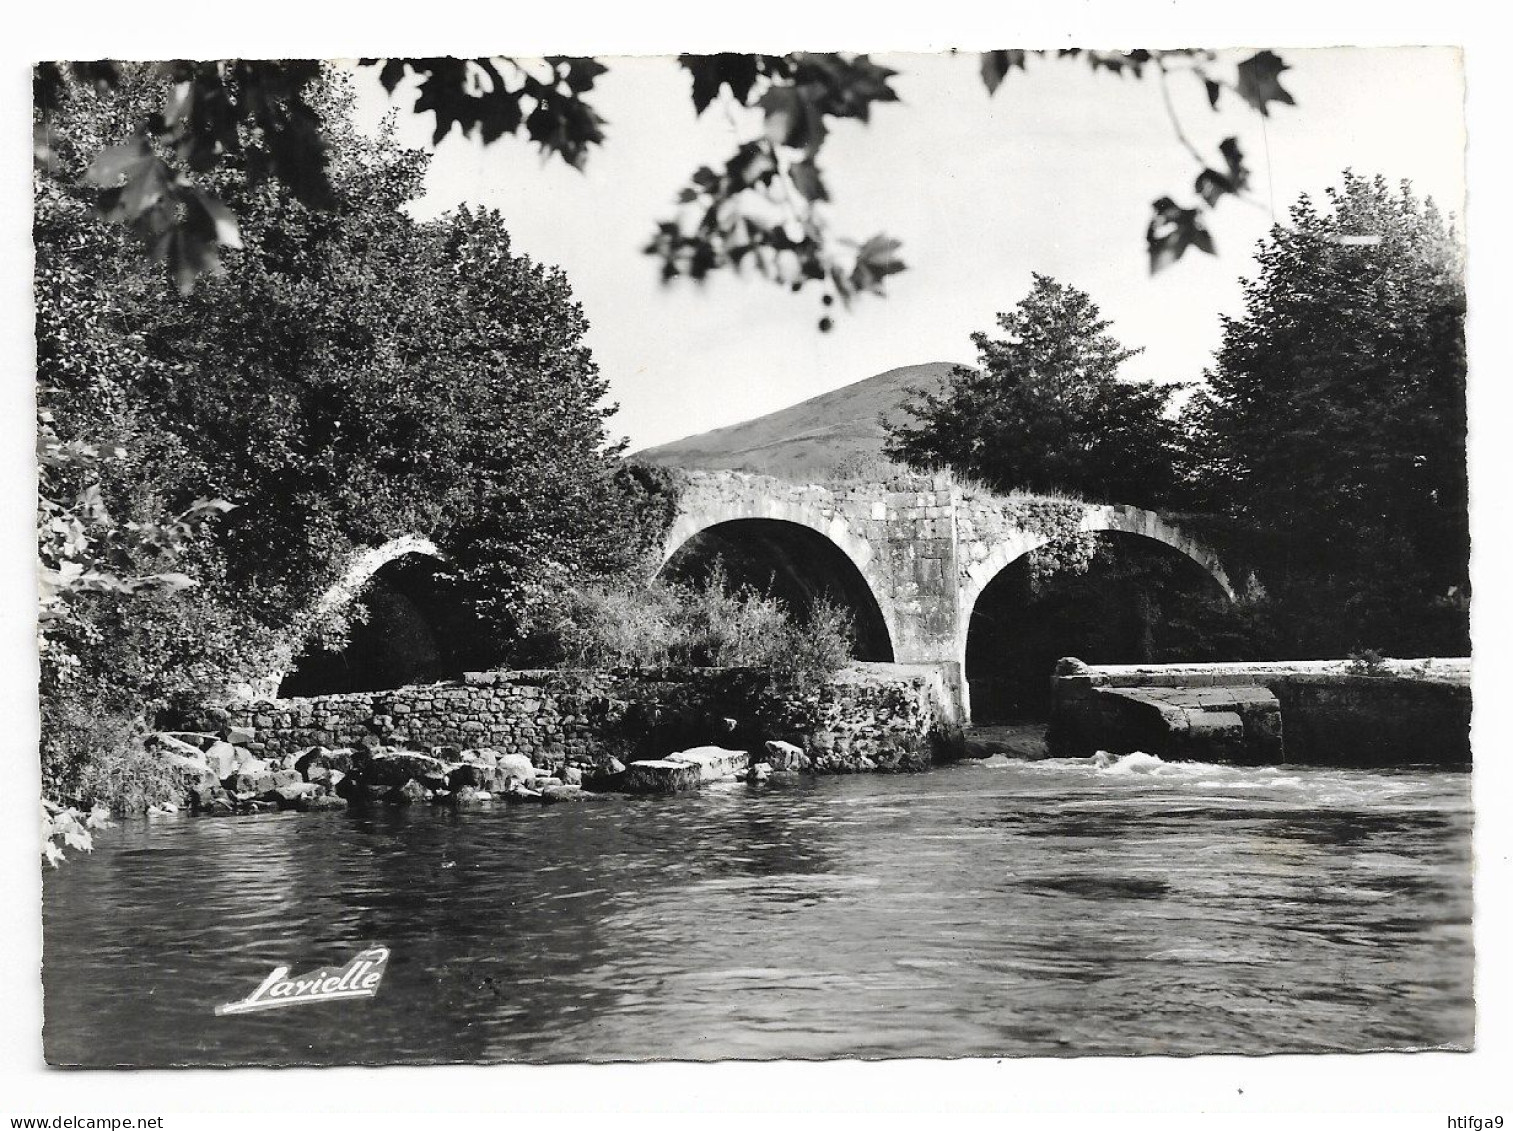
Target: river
[{"x": 982, "y": 909}]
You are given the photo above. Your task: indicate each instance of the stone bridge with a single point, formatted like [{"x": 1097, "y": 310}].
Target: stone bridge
[{"x": 909, "y": 558}]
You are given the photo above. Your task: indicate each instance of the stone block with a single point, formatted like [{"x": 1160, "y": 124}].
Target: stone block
[
  {"x": 715, "y": 763},
  {"x": 660, "y": 776}
]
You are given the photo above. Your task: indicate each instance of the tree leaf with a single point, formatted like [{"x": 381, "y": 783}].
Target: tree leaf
[
  {"x": 995, "y": 66},
  {"x": 1259, "y": 81},
  {"x": 806, "y": 178},
  {"x": 117, "y": 161}
]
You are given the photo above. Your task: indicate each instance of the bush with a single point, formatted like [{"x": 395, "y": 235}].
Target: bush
[{"x": 659, "y": 625}]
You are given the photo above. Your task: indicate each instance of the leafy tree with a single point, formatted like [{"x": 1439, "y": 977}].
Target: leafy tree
[
  {"x": 763, "y": 208},
  {"x": 348, "y": 376},
  {"x": 1333, "y": 429},
  {"x": 1044, "y": 410}
]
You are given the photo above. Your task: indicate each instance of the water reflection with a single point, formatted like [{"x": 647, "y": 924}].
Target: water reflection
[{"x": 1024, "y": 908}]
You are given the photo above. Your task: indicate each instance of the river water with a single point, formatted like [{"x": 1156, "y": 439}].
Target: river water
[{"x": 982, "y": 909}]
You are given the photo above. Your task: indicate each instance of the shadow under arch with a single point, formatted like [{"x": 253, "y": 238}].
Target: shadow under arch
[
  {"x": 1141, "y": 600},
  {"x": 790, "y": 561},
  {"x": 416, "y": 628}
]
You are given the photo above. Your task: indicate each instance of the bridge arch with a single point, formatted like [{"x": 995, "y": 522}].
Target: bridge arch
[
  {"x": 1095, "y": 520},
  {"x": 813, "y": 549},
  {"x": 986, "y": 585},
  {"x": 363, "y": 566}
]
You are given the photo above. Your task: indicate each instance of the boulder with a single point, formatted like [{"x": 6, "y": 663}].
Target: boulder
[
  {"x": 758, "y": 773},
  {"x": 605, "y": 776},
  {"x": 221, "y": 806},
  {"x": 206, "y": 791},
  {"x": 469, "y": 795},
  {"x": 221, "y": 758},
  {"x": 193, "y": 767},
  {"x": 514, "y": 791},
  {"x": 517, "y": 766},
  {"x": 338, "y": 759},
  {"x": 288, "y": 796},
  {"x": 715, "y": 762},
  {"x": 555, "y": 792},
  {"x": 410, "y": 793},
  {"x": 570, "y": 775},
  {"x": 248, "y": 764},
  {"x": 241, "y": 736},
  {"x": 317, "y": 802},
  {"x": 287, "y": 777},
  {"x": 469, "y": 775},
  {"x": 660, "y": 775},
  {"x": 396, "y": 769},
  {"x": 253, "y": 784},
  {"x": 785, "y": 756}
]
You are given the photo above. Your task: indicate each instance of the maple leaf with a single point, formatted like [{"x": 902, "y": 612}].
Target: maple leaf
[
  {"x": 1259, "y": 81},
  {"x": 710, "y": 72}
]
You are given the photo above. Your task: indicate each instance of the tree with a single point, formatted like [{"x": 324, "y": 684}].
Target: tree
[
  {"x": 763, "y": 208},
  {"x": 1045, "y": 411},
  {"x": 349, "y": 376},
  {"x": 1333, "y": 429}
]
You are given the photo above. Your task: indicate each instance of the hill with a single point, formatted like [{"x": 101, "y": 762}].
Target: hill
[{"x": 809, "y": 440}]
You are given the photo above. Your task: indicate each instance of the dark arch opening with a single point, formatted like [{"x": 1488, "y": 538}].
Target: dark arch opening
[
  {"x": 1140, "y": 601},
  {"x": 791, "y": 562},
  {"x": 418, "y": 629}
]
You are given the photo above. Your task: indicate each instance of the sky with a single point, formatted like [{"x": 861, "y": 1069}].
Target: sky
[{"x": 1054, "y": 174}]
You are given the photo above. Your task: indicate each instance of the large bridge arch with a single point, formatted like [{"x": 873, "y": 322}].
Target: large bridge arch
[
  {"x": 825, "y": 535},
  {"x": 1125, "y": 522},
  {"x": 1095, "y": 520}
]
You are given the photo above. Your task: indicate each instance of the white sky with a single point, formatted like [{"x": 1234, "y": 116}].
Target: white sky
[{"x": 1055, "y": 174}]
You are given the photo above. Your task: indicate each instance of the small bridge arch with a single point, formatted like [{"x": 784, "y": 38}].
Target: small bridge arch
[{"x": 361, "y": 569}]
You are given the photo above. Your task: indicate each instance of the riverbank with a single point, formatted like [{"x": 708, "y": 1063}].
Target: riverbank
[{"x": 558, "y": 735}]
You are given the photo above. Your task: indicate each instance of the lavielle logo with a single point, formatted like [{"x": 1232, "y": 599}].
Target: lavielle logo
[{"x": 358, "y": 978}]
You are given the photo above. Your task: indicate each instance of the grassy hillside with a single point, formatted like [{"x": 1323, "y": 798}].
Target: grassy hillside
[{"x": 807, "y": 440}]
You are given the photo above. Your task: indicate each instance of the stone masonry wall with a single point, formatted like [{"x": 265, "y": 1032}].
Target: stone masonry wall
[
  {"x": 1402, "y": 712},
  {"x": 871, "y": 716}
]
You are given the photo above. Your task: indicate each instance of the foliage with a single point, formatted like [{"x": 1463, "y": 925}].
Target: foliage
[
  {"x": 660, "y": 625},
  {"x": 1334, "y": 424},
  {"x": 66, "y": 827},
  {"x": 1367, "y": 661},
  {"x": 1045, "y": 411},
  {"x": 261, "y": 120},
  {"x": 351, "y": 376}
]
